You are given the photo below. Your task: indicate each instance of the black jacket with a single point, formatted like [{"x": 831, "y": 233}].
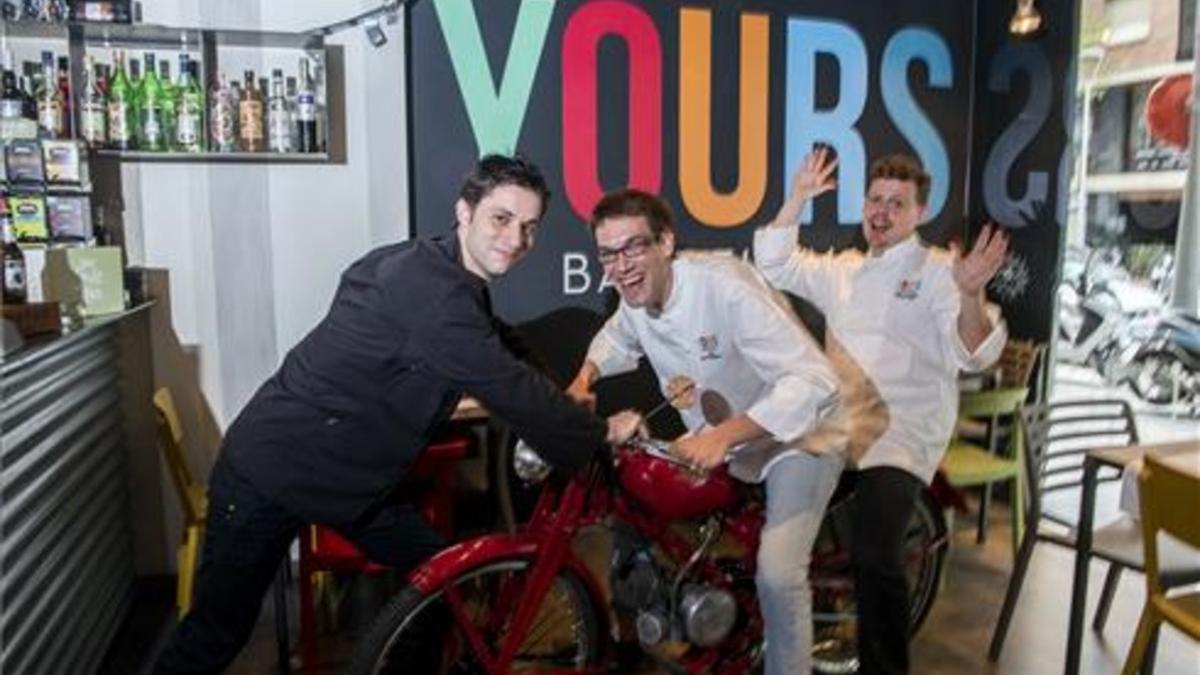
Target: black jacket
[{"x": 354, "y": 403}]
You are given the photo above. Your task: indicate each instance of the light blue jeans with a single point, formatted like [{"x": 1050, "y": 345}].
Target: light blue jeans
[{"x": 798, "y": 490}]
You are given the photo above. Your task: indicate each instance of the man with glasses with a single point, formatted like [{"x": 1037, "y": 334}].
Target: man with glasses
[
  {"x": 711, "y": 319},
  {"x": 912, "y": 318}
]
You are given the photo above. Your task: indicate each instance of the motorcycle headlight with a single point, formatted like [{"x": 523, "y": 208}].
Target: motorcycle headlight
[{"x": 528, "y": 465}]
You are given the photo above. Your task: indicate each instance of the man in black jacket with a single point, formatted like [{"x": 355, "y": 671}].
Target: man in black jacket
[{"x": 328, "y": 438}]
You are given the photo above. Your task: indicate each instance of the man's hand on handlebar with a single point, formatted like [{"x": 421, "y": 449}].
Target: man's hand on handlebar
[
  {"x": 625, "y": 425},
  {"x": 705, "y": 450},
  {"x": 580, "y": 389}
]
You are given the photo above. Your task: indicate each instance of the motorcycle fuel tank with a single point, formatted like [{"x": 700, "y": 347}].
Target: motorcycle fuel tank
[{"x": 670, "y": 492}]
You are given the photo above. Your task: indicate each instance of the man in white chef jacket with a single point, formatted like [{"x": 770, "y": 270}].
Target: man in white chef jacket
[
  {"x": 912, "y": 317},
  {"x": 712, "y": 319}
]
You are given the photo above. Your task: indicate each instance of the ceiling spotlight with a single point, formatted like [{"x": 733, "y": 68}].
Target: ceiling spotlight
[
  {"x": 1025, "y": 21},
  {"x": 375, "y": 33}
]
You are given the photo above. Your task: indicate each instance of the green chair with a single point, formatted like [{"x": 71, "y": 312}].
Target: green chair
[{"x": 967, "y": 464}]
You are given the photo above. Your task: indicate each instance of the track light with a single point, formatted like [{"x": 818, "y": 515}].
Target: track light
[
  {"x": 375, "y": 34},
  {"x": 1025, "y": 21}
]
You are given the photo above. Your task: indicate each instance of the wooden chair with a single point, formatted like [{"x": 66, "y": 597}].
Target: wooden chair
[
  {"x": 1170, "y": 502},
  {"x": 193, "y": 497},
  {"x": 967, "y": 464},
  {"x": 1017, "y": 362}
]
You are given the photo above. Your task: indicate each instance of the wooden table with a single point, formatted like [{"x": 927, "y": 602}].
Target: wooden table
[{"x": 1184, "y": 455}]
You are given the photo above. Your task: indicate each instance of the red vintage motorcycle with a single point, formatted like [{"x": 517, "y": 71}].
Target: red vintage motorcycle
[{"x": 680, "y": 577}]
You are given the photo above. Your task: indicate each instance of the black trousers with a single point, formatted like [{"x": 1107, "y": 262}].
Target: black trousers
[
  {"x": 883, "y": 505},
  {"x": 247, "y": 537}
]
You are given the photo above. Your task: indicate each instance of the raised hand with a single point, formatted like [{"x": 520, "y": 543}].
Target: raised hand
[
  {"x": 973, "y": 271},
  {"x": 813, "y": 178}
]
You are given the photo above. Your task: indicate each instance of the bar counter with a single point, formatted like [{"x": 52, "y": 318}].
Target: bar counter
[{"x": 66, "y": 545}]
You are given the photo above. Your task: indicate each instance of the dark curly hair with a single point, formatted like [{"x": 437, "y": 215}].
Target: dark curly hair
[
  {"x": 493, "y": 171},
  {"x": 630, "y": 202}
]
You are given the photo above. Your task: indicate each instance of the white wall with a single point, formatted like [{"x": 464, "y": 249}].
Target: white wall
[{"x": 254, "y": 251}]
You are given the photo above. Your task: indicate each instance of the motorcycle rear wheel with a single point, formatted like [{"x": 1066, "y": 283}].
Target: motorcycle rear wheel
[
  {"x": 415, "y": 632},
  {"x": 835, "y": 621}
]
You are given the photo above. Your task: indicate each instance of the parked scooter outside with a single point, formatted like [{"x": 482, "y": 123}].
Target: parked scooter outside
[
  {"x": 1159, "y": 356},
  {"x": 1097, "y": 300}
]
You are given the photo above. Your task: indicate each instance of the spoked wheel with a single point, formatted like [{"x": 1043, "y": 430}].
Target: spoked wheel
[
  {"x": 445, "y": 632},
  {"x": 835, "y": 621}
]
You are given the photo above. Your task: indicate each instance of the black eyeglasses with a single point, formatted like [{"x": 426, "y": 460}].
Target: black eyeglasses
[{"x": 634, "y": 249}]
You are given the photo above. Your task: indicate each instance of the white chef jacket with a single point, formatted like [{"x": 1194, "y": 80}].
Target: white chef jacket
[
  {"x": 897, "y": 315},
  {"x": 724, "y": 328}
]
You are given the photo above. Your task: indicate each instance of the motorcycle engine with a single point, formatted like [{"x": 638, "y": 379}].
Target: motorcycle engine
[
  {"x": 636, "y": 583},
  {"x": 708, "y": 614},
  {"x": 704, "y": 615}
]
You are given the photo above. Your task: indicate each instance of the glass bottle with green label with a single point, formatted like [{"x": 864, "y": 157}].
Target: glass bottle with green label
[
  {"x": 150, "y": 107},
  {"x": 189, "y": 117},
  {"x": 170, "y": 103},
  {"x": 122, "y": 111}
]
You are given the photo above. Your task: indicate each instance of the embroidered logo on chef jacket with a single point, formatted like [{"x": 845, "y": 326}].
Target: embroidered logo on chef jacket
[
  {"x": 710, "y": 347},
  {"x": 908, "y": 289}
]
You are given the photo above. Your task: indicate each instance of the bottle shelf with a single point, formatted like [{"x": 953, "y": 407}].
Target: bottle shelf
[
  {"x": 218, "y": 52},
  {"x": 218, "y": 157}
]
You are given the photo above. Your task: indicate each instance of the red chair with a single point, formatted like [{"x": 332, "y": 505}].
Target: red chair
[{"x": 323, "y": 550}]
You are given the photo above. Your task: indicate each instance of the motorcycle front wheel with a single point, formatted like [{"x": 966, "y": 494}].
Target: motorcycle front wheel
[{"x": 421, "y": 633}]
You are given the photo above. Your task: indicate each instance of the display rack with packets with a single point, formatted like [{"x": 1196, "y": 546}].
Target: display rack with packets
[{"x": 47, "y": 186}]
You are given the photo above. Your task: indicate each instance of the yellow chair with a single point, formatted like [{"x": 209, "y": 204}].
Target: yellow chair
[
  {"x": 967, "y": 464},
  {"x": 193, "y": 497},
  {"x": 1170, "y": 500}
]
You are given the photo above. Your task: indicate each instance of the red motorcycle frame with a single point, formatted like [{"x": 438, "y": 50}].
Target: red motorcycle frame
[{"x": 527, "y": 601}]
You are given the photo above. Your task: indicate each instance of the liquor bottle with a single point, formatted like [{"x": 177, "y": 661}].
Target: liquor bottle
[
  {"x": 170, "y": 103},
  {"x": 222, "y": 117},
  {"x": 49, "y": 100},
  {"x": 250, "y": 114},
  {"x": 135, "y": 75},
  {"x": 64, "y": 90},
  {"x": 279, "y": 121},
  {"x": 11, "y": 103},
  {"x": 16, "y": 288},
  {"x": 189, "y": 118},
  {"x": 122, "y": 111},
  {"x": 28, "y": 102},
  {"x": 306, "y": 110},
  {"x": 289, "y": 96},
  {"x": 52, "y": 11},
  {"x": 150, "y": 108},
  {"x": 93, "y": 107}
]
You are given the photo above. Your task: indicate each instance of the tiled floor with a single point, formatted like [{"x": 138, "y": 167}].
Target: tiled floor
[{"x": 953, "y": 640}]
